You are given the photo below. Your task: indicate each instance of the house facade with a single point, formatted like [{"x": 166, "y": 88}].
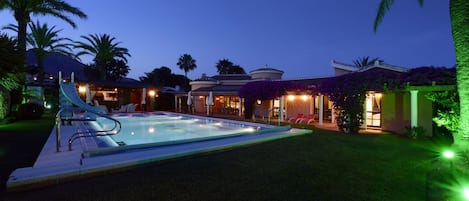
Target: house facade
[{"x": 391, "y": 110}]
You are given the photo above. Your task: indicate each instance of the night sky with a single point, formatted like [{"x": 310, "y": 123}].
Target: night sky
[{"x": 300, "y": 37}]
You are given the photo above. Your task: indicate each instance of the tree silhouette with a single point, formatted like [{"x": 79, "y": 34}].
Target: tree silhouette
[{"x": 186, "y": 63}]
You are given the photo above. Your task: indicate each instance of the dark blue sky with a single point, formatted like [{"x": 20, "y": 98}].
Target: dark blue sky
[{"x": 300, "y": 37}]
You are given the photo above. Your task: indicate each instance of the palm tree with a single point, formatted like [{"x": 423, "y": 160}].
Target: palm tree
[
  {"x": 360, "y": 63},
  {"x": 186, "y": 63},
  {"x": 223, "y": 66},
  {"x": 45, "y": 41},
  {"x": 104, "y": 50},
  {"x": 459, "y": 15},
  {"x": 22, "y": 10}
]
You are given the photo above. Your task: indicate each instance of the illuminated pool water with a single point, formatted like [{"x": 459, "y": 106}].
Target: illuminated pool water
[{"x": 158, "y": 129}]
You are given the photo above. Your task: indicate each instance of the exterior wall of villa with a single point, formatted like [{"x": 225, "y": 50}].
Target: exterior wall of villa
[
  {"x": 396, "y": 112},
  {"x": 199, "y": 84},
  {"x": 425, "y": 113},
  {"x": 298, "y": 105},
  {"x": 199, "y": 104},
  {"x": 395, "y": 115},
  {"x": 339, "y": 72},
  {"x": 266, "y": 74}
]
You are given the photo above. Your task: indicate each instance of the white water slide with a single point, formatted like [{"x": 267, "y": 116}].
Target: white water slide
[{"x": 69, "y": 91}]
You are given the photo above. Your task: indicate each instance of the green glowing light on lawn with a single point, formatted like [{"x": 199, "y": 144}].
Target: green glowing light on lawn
[
  {"x": 449, "y": 155},
  {"x": 466, "y": 193}
]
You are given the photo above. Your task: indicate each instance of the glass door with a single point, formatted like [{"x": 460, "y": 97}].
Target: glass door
[{"x": 373, "y": 110}]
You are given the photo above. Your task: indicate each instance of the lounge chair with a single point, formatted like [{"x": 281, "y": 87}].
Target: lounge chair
[
  {"x": 131, "y": 107},
  {"x": 306, "y": 120},
  {"x": 96, "y": 104},
  {"x": 295, "y": 119},
  {"x": 122, "y": 109}
]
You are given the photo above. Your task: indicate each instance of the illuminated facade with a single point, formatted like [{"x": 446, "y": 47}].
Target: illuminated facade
[{"x": 393, "y": 111}]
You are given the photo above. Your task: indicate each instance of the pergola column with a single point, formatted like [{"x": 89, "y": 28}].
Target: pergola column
[
  {"x": 311, "y": 105},
  {"x": 363, "y": 126},
  {"x": 240, "y": 109},
  {"x": 176, "y": 103},
  {"x": 321, "y": 108},
  {"x": 414, "y": 108},
  {"x": 280, "y": 108}
]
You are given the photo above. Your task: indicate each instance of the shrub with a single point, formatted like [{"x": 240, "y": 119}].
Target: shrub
[{"x": 30, "y": 111}]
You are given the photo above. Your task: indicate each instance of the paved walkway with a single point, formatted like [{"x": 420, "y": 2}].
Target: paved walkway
[{"x": 326, "y": 125}]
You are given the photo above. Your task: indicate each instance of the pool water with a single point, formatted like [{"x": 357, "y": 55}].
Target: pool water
[{"x": 168, "y": 128}]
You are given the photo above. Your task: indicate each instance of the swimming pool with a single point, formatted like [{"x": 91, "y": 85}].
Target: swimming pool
[
  {"x": 160, "y": 129},
  {"x": 145, "y": 138}
]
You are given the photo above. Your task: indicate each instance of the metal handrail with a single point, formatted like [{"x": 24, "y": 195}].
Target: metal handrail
[{"x": 113, "y": 131}]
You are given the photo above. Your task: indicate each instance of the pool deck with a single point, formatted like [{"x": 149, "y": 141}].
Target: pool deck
[{"x": 53, "y": 167}]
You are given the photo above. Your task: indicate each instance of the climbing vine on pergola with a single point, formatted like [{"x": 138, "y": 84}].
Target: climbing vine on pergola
[
  {"x": 266, "y": 90},
  {"x": 348, "y": 92}
]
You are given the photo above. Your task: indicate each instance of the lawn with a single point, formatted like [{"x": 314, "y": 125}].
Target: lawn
[
  {"x": 322, "y": 166},
  {"x": 20, "y": 144}
]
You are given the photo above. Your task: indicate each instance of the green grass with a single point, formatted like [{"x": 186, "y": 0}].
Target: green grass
[
  {"x": 20, "y": 144},
  {"x": 322, "y": 166}
]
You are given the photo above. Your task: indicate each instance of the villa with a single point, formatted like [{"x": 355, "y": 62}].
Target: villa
[{"x": 391, "y": 110}]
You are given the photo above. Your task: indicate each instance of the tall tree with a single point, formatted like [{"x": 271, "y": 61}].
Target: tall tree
[
  {"x": 116, "y": 69},
  {"x": 225, "y": 66},
  {"x": 163, "y": 77},
  {"x": 22, "y": 10},
  {"x": 11, "y": 76},
  {"x": 45, "y": 41},
  {"x": 459, "y": 15},
  {"x": 104, "y": 49},
  {"x": 186, "y": 63}
]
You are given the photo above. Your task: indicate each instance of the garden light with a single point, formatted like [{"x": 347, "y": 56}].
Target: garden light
[
  {"x": 449, "y": 155},
  {"x": 466, "y": 193}
]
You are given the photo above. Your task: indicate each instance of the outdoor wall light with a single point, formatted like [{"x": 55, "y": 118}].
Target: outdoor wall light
[
  {"x": 378, "y": 95},
  {"x": 115, "y": 89},
  {"x": 291, "y": 97},
  {"x": 51, "y": 77},
  {"x": 259, "y": 102},
  {"x": 82, "y": 89},
  {"x": 34, "y": 78},
  {"x": 151, "y": 93},
  {"x": 304, "y": 97}
]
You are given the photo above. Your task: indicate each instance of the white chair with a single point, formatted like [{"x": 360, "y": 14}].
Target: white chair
[
  {"x": 122, "y": 109},
  {"x": 96, "y": 104},
  {"x": 131, "y": 107}
]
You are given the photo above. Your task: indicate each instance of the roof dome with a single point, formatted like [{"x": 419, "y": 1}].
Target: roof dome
[{"x": 266, "y": 74}]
